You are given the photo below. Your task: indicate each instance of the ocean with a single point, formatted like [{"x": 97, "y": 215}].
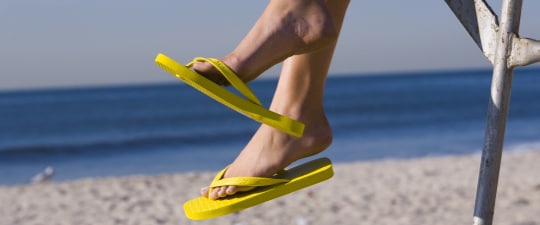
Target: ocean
[{"x": 169, "y": 128}]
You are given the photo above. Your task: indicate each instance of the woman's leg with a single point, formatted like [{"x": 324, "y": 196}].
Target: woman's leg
[
  {"x": 299, "y": 95},
  {"x": 286, "y": 28}
]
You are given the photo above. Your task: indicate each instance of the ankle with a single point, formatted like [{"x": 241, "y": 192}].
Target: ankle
[
  {"x": 317, "y": 128},
  {"x": 317, "y": 136}
]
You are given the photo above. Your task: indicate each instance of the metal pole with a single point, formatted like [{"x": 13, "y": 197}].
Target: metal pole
[{"x": 497, "y": 114}]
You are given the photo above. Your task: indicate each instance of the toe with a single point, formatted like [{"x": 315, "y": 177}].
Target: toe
[
  {"x": 213, "y": 194},
  {"x": 205, "y": 191},
  {"x": 231, "y": 190},
  {"x": 217, "y": 192},
  {"x": 222, "y": 192}
]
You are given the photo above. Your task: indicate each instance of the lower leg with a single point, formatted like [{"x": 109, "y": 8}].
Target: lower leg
[{"x": 299, "y": 95}]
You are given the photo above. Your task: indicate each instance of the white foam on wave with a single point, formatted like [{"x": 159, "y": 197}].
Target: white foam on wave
[{"x": 523, "y": 147}]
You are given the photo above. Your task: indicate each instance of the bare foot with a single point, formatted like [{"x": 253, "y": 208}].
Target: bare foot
[
  {"x": 285, "y": 28},
  {"x": 270, "y": 151}
]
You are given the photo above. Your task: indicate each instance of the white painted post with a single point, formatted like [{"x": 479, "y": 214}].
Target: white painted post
[
  {"x": 505, "y": 50},
  {"x": 501, "y": 84}
]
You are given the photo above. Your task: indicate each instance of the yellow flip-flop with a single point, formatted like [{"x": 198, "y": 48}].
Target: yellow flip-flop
[
  {"x": 250, "y": 106},
  {"x": 266, "y": 189}
]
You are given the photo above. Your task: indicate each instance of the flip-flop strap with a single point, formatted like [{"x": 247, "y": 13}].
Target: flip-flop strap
[
  {"x": 230, "y": 76},
  {"x": 244, "y": 181},
  {"x": 247, "y": 181}
]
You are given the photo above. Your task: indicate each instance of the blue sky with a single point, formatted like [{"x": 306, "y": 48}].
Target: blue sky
[{"x": 60, "y": 43}]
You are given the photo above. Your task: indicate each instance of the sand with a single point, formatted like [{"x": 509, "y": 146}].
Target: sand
[{"x": 436, "y": 190}]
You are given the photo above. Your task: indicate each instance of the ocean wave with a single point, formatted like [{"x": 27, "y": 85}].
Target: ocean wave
[
  {"x": 116, "y": 145},
  {"x": 523, "y": 146}
]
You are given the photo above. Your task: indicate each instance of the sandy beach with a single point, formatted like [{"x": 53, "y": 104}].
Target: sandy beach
[{"x": 436, "y": 190}]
